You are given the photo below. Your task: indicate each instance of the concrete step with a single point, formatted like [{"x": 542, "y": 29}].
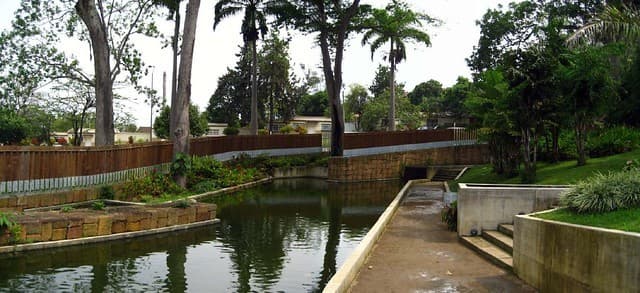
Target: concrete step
[
  {"x": 489, "y": 251},
  {"x": 506, "y": 229},
  {"x": 505, "y": 242}
]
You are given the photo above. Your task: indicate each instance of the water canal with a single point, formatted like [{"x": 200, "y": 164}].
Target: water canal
[{"x": 289, "y": 235}]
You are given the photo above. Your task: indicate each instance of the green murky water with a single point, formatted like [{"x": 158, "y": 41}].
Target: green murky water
[{"x": 288, "y": 236}]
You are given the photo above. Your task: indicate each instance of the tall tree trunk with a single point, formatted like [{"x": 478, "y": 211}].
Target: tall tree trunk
[
  {"x": 333, "y": 76},
  {"x": 555, "y": 137},
  {"x": 529, "y": 156},
  {"x": 87, "y": 11},
  {"x": 174, "y": 74},
  {"x": 180, "y": 130},
  {"x": 581, "y": 139},
  {"x": 253, "y": 125},
  {"x": 392, "y": 87}
]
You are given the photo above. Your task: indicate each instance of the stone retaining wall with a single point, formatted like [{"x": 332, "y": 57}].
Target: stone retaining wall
[
  {"x": 559, "y": 257},
  {"x": 56, "y": 225},
  {"x": 390, "y": 165}
]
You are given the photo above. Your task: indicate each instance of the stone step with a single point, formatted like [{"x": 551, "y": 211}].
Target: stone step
[
  {"x": 505, "y": 242},
  {"x": 489, "y": 251},
  {"x": 506, "y": 229}
]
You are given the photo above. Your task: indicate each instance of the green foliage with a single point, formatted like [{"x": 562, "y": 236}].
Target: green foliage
[
  {"x": 614, "y": 140},
  {"x": 6, "y": 221},
  {"x": 231, "y": 101},
  {"x": 98, "y": 205},
  {"x": 381, "y": 81},
  {"x": 182, "y": 204},
  {"x": 231, "y": 130},
  {"x": 553, "y": 173},
  {"x": 374, "y": 115},
  {"x": 13, "y": 128},
  {"x": 430, "y": 90},
  {"x": 106, "y": 192},
  {"x": 265, "y": 164},
  {"x": 66, "y": 209},
  {"x": 208, "y": 174},
  {"x": 605, "y": 193},
  {"x": 286, "y": 129},
  {"x": 278, "y": 87},
  {"x": 449, "y": 216},
  {"x": 181, "y": 164},
  {"x": 301, "y": 129},
  {"x": 197, "y": 122},
  {"x": 154, "y": 184},
  {"x": 355, "y": 101},
  {"x": 316, "y": 104},
  {"x": 204, "y": 186}
]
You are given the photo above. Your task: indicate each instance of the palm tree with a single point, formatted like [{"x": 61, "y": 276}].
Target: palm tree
[
  {"x": 254, "y": 24},
  {"x": 396, "y": 24},
  {"x": 611, "y": 24}
]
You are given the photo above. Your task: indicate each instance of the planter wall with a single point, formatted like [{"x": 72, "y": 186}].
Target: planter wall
[
  {"x": 559, "y": 257},
  {"x": 485, "y": 206}
]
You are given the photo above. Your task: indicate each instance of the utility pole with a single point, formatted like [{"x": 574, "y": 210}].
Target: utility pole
[{"x": 152, "y": 100}]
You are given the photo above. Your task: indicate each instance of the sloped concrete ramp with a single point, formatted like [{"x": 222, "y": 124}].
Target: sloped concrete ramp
[{"x": 417, "y": 253}]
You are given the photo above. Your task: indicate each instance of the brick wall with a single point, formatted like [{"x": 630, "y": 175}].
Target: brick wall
[{"x": 389, "y": 166}]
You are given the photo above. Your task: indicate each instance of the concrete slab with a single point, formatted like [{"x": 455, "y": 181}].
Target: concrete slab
[{"x": 417, "y": 253}]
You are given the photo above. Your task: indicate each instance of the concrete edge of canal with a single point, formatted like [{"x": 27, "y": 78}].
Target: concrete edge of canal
[{"x": 348, "y": 272}]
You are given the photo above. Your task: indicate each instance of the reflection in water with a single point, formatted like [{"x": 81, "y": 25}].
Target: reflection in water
[{"x": 286, "y": 236}]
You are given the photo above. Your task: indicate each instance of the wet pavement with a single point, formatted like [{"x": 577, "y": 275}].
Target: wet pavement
[{"x": 417, "y": 253}]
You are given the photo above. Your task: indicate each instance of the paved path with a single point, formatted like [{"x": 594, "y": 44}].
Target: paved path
[{"x": 417, "y": 253}]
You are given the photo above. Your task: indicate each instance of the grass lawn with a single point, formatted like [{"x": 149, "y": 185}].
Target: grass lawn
[
  {"x": 560, "y": 173},
  {"x": 626, "y": 220}
]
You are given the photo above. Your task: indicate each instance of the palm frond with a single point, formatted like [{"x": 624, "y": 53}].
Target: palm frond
[
  {"x": 223, "y": 11},
  {"x": 611, "y": 25},
  {"x": 376, "y": 44}
]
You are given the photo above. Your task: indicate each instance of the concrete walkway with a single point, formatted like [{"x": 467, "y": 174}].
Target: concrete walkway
[{"x": 417, "y": 253}]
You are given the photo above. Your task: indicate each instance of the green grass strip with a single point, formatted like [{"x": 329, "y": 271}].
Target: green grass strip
[{"x": 625, "y": 220}]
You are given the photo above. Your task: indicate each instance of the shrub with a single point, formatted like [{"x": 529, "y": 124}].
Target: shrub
[
  {"x": 611, "y": 141},
  {"x": 605, "y": 193},
  {"x": 231, "y": 131},
  {"x": 204, "y": 186},
  {"x": 66, "y": 209},
  {"x": 286, "y": 129},
  {"x": 450, "y": 216},
  {"x": 106, "y": 192},
  {"x": 301, "y": 129},
  {"x": 154, "y": 184},
  {"x": 98, "y": 205},
  {"x": 263, "y": 131}
]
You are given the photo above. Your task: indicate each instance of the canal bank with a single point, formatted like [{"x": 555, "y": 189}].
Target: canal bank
[{"x": 416, "y": 253}]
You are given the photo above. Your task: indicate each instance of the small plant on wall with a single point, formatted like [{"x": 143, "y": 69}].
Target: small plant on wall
[
  {"x": 7, "y": 223},
  {"x": 450, "y": 216}
]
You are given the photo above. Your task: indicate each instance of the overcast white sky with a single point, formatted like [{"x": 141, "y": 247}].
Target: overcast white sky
[{"x": 444, "y": 61}]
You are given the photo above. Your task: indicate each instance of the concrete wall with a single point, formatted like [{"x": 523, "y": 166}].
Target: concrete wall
[
  {"x": 485, "y": 206},
  {"x": 559, "y": 257},
  {"x": 390, "y": 165}
]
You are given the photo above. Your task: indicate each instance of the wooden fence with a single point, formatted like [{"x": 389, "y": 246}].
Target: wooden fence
[
  {"x": 382, "y": 139},
  {"x": 35, "y": 169}
]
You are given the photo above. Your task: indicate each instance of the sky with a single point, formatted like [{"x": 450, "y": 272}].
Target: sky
[{"x": 215, "y": 51}]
